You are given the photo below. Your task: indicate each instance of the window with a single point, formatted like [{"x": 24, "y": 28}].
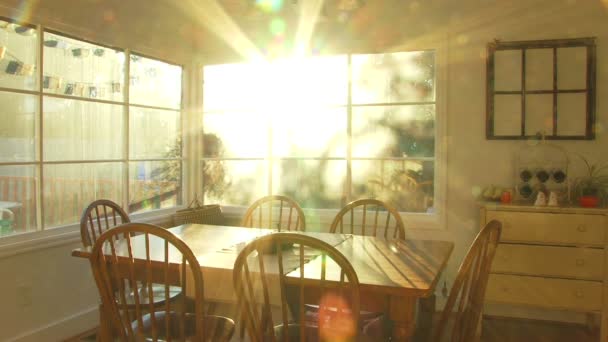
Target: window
[
  {"x": 322, "y": 130},
  {"x": 74, "y": 131},
  {"x": 544, "y": 87}
]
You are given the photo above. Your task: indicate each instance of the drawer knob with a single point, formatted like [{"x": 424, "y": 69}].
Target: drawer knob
[
  {"x": 578, "y": 294},
  {"x": 581, "y": 228},
  {"x": 506, "y": 289},
  {"x": 580, "y": 262}
]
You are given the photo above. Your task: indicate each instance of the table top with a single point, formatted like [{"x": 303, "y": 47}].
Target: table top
[
  {"x": 392, "y": 266},
  {"x": 399, "y": 267}
]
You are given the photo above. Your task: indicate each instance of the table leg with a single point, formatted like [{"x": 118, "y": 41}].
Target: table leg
[
  {"x": 426, "y": 310},
  {"x": 402, "y": 313}
]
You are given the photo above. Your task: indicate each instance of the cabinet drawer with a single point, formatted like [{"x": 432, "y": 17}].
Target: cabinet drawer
[
  {"x": 580, "y": 295},
  {"x": 568, "y": 262},
  {"x": 567, "y": 229}
]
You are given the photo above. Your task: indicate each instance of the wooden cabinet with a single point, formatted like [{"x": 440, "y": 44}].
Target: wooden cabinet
[{"x": 551, "y": 258}]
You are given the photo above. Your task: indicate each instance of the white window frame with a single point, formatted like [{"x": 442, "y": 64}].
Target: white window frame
[
  {"x": 424, "y": 222},
  {"x": 45, "y": 237}
]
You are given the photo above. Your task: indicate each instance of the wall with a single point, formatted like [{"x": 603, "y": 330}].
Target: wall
[
  {"x": 62, "y": 292},
  {"x": 45, "y": 294},
  {"x": 473, "y": 160}
]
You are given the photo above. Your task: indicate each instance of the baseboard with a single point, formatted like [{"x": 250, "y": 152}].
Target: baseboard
[{"x": 62, "y": 329}]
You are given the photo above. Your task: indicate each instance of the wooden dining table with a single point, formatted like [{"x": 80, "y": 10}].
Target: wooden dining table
[{"x": 393, "y": 273}]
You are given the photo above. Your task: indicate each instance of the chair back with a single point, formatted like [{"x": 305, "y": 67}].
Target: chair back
[
  {"x": 275, "y": 212},
  {"x": 465, "y": 302},
  {"x": 126, "y": 261},
  {"x": 369, "y": 217},
  {"x": 281, "y": 266},
  {"x": 98, "y": 217}
]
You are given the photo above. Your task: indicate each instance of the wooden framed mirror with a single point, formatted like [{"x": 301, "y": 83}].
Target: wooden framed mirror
[{"x": 543, "y": 87}]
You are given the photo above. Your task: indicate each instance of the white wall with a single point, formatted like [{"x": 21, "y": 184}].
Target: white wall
[
  {"x": 46, "y": 295},
  {"x": 62, "y": 287},
  {"x": 473, "y": 160}
]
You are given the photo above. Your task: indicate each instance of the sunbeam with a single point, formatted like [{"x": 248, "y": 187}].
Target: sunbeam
[
  {"x": 213, "y": 16},
  {"x": 309, "y": 16}
]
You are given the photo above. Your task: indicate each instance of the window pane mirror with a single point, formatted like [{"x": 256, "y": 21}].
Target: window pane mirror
[{"x": 544, "y": 87}]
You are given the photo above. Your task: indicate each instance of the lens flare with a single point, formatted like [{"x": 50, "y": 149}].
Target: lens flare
[
  {"x": 335, "y": 319},
  {"x": 277, "y": 27},
  {"x": 270, "y": 5},
  {"x": 25, "y": 10}
]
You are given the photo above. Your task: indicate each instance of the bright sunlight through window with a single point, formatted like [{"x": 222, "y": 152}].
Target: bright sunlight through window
[{"x": 298, "y": 127}]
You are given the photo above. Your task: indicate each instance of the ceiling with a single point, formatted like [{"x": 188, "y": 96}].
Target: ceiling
[{"x": 215, "y": 31}]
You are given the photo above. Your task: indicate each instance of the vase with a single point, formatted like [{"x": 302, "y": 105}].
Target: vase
[{"x": 588, "y": 201}]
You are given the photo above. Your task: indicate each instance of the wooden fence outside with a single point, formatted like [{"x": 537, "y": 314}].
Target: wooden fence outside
[{"x": 65, "y": 198}]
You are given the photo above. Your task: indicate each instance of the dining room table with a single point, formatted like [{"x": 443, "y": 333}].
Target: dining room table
[{"x": 393, "y": 273}]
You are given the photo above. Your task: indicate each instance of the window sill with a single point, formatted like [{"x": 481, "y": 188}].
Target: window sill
[
  {"x": 12, "y": 245},
  {"x": 321, "y": 219}
]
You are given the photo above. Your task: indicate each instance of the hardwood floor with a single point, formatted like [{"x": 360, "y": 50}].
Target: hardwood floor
[{"x": 497, "y": 329}]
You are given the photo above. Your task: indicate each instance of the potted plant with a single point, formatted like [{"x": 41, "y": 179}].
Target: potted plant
[{"x": 592, "y": 188}]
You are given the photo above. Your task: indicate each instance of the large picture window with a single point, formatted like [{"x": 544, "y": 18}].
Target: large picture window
[
  {"x": 322, "y": 130},
  {"x": 90, "y": 122}
]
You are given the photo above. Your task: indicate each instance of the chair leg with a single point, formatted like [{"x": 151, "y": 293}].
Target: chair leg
[
  {"x": 103, "y": 332},
  {"x": 479, "y": 328}
]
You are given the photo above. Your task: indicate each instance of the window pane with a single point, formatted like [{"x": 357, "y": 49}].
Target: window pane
[
  {"x": 237, "y": 182},
  {"x": 155, "y": 83},
  {"x": 17, "y": 199},
  {"x": 235, "y": 134},
  {"x": 18, "y": 134},
  {"x": 311, "y": 183},
  {"x": 394, "y": 131},
  {"x": 69, "y": 188},
  {"x": 303, "y": 131},
  {"x": 154, "y": 133},
  {"x": 232, "y": 86},
  {"x": 154, "y": 185},
  {"x": 406, "y": 184},
  {"x": 394, "y": 77},
  {"x": 18, "y": 45},
  {"x": 309, "y": 81},
  {"x": 77, "y": 68},
  {"x": 81, "y": 130}
]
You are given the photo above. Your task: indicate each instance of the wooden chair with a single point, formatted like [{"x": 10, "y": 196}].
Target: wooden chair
[
  {"x": 463, "y": 310},
  {"x": 263, "y": 285},
  {"x": 163, "y": 258},
  {"x": 275, "y": 212},
  {"x": 365, "y": 217},
  {"x": 369, "y": 212},
  {"x": 98, "y": 217}
]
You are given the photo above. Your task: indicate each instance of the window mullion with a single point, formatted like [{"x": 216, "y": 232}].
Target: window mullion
[
  {"x": 39, "y": 171},
  {"x": 269, "y": 152},
  {"x": 191, "y": 137},
  {"x": 126, "y": 135},
  {"x": 349, "y": 135}
]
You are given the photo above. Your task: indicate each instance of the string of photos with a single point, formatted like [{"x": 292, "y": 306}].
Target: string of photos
[{"x": 15, "y": 66}]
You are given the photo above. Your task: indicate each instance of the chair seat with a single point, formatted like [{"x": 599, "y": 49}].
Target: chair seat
[{"x": 217, "y": 328}]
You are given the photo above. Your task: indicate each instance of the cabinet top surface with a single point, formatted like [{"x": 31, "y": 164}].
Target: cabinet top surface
[{"x": 545, "y": 209}]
